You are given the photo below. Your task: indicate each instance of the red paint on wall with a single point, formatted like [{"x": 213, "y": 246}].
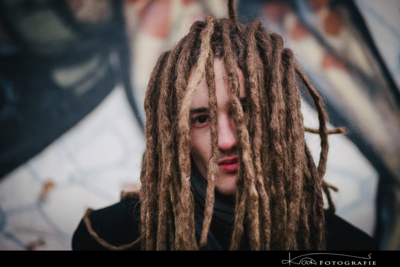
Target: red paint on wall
[
  {"x": 317, "y": 5},
  {"x": 155, "y": 18},
  {"x": 186, "y": 2},
  {"x": 329, "y": 61},
  {"x": 299, "y": 31},
  {"x": 333, "y": 23},
  {"x": 275, "y": 11}
]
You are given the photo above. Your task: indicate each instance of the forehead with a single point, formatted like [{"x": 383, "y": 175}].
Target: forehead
[{"x": 200, "y": 98}]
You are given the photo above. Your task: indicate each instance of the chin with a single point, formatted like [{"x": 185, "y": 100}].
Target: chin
[{"x": 226, "y": 184}]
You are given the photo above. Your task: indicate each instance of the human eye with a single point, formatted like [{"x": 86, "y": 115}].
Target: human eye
[{"x": 200, "y": 120}]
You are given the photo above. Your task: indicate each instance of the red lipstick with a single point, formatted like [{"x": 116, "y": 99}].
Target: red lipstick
[{"x": 230, "y": 164}]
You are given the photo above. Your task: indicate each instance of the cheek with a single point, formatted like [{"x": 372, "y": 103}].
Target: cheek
[{"x": 201, "y": 146}]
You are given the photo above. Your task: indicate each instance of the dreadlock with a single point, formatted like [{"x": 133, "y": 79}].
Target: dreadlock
[{"x": 278, "y": 187}]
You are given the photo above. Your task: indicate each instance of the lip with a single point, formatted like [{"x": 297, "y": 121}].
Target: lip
[{"x": 230, "y": 164}]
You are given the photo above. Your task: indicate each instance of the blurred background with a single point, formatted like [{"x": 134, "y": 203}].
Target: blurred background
[{"x": 73, "y": 74}]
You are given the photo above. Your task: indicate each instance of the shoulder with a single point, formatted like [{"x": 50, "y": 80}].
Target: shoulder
[
  {"x": 341, "y": 235},
  {"x": 117, "y": 225}
]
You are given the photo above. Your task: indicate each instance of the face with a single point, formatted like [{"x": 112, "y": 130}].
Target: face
[{"x": 228, "y": 160}]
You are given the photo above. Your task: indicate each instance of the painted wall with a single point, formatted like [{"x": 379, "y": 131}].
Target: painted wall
[{"x": 72, "y": 81}]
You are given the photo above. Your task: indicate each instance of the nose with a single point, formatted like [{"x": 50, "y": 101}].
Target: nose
[{"x": 227, "y": 138}]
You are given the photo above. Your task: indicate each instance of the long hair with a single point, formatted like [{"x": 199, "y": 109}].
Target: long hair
[{"x": 278, "y": 186}]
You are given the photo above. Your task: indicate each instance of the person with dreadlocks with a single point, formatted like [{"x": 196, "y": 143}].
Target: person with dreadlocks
[{"x": 226, "y": 165}]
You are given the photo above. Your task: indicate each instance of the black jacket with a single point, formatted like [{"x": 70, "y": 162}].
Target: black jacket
[{"x": 119, "y": 224}]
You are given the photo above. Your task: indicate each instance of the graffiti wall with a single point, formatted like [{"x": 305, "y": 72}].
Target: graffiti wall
[{"x": 73, "y": 74}]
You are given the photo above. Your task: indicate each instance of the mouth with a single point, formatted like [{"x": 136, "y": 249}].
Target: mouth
[{"x": 230, "y": 164}]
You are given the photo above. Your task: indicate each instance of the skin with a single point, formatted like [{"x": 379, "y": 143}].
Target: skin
[{"x": 227, "y": 137}]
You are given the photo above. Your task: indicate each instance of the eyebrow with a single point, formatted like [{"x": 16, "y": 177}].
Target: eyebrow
[
  {"x": 199, "y": 110},
  {"x": 204, "y": 110}
]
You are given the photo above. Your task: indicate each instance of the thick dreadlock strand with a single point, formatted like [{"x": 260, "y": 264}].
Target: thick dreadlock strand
[
  {"x": 317, "y": 211},
  {"x": 303, "y": 230},
  {"x": 245, "y": 153},
  {"x": 308, "y": 193},
  {"x": 326, "y": 187},
  {"x": 174, "y": 203},
  {"x": 183, "y": 67},
  {"x": 256, "y": 81},
  {"x": 276, "y": 136},
  {"x": 184, "y": 128},
  {"x": 212, "y": 174},
  {"x": 323, "y": 131},
  {"x": 232, "y": 11},
  {"x": 151, "y": 155},
  {"x": 313, "y": 203},
  {"x": 166, "y": 145},
  {"x": 339, "y": 130},
  {"x": 102, "y": 241},
  {"x": 185, "y": 62},
  {"x": 265, "y": 52},
  {"x": 295, "y": 134},
  {"x": 241, "y": 194}
]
